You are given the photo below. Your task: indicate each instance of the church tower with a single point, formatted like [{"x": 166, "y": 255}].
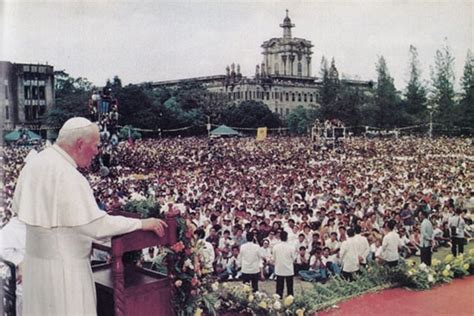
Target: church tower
[{"x": 287, "y": 56}]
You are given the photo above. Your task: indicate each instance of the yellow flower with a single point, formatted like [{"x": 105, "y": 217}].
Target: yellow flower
[
  {"x": 471, "y": 252},
  {"x": 466, "y": 266},
  {"x": 445, "y": 273},
  {"x": 198, "y": 312},
  {"x": 263, "y": 305},
  {"x": 247, "y": 288},
  {"x": 436, "y": 262},
  {"x": 299, "y": 312},
  {"x": 250, "y": 298},
  {"x": 288, "y": 300},
  {"x": 461, "y": 256},
  {"x": 448, "y": 258},
  {"x": 410, "y": 263}
]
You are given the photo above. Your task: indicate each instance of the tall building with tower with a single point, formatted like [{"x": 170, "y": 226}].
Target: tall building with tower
[{"x": 283, "y": 80}]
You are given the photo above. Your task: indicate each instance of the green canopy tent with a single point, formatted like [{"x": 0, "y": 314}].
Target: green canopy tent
[
  {"x": 22, "y": 135},
  {"x": 224, "y": 130}
]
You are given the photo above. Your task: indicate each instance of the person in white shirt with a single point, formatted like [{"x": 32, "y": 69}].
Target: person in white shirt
[
  {"x": 267, "y": 266},
  {"x": 317, "y": 270},
  {"x": 302, "y": 260},
  {"x": 390, "y": 244},
  {"x": 456, "y": 225},
  {"x": 284, "y": 256},
  {"x": 363, "y": 247},
  {"x": 249, "y": 260},
  {"x": 349, "y": 256},
  {"x": 205, "y": 250}
]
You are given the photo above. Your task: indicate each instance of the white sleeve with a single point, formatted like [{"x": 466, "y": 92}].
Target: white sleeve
[{"x": 109, "y": 226}]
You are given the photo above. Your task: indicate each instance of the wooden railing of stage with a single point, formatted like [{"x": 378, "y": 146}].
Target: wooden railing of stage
[{"x": 133, "y": 290}]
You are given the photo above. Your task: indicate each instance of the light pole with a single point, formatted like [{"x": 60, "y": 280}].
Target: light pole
[
  {"x": 430, "y": 108},
  {"x": 208, "y": 125}
]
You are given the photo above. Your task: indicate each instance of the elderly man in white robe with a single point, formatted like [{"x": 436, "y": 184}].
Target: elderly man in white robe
[{"x": 62, "y": 219}]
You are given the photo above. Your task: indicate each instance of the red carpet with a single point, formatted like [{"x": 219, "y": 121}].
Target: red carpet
[{"x": 456, "y": 298}]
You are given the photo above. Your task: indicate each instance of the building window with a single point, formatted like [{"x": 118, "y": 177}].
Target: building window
[
  {"x": 6, "y": 92},
  {"x": 305, "y": 99},
  {"x": 287, "y": 111},
  {"x": 7, "y": 112},
  {"x": 27, "y": 92},
  {"x": 42, "y": 94},
  {"x": 281, "y": 111},
  {"x": 253, "y": 94},
  {"x": 277, "y": 69},
  {"x": 246, "y": 95},
  {"x": 310, "y": 97},
  {"x": 300, "y": 69},
  {"x": 42, "y": 110},
  {"x": 299, "y": 97},
  {"x": 34, "y": 93},
  {"x": 27, "y": 113},
  {"x": 268, "y": 95},
  {"x": 293, "y": 97},
  {"x": 281, "y": 96},
  {"x": 287, "y": 96},
  {"x": 276, "y": 110}
]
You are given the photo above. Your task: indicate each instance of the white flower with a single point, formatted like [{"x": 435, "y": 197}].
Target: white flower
[
  {"x": 422, "y": 266},
  {"x": 215, "y": 286},
  {"x": 430, "y": 278},
  {"x": 277, "y": 305},
  {"x": 448, "y": 267},
  {"x": 189, "y": 264},
  {"x": 276, "y": 296}
]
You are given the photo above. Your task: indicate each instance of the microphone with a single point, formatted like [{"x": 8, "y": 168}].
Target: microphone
[{"x": 104, "y": 171}]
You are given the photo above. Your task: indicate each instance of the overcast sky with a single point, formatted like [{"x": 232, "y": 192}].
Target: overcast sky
[{"x": 162, "y": 40}]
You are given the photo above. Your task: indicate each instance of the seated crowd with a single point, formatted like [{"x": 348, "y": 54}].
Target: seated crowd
[{"x": 339, "y": 209}]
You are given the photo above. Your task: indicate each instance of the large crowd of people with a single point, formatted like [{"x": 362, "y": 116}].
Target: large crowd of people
[{"x": 337, "y": 209}]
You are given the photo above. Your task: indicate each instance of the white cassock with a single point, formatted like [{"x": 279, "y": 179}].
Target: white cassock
[
  {"x": 12, "y": 248},
  {"x": 62, "y": 219}
]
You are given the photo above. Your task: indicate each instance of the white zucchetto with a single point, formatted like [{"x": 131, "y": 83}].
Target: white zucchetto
[{"x": 75, "y": 122}]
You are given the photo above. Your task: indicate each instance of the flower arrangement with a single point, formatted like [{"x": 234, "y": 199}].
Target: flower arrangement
[
  {"x": 193, "y": 290},
  {"x": 441, "y": 271},
  {"x": 239, "y": 299}
]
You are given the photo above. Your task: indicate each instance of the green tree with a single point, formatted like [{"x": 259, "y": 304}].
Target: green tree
[
  {"x": 466, "y": 104},
  {"x": 387, "y": 111},
  {"x": 251, "y": 114},
  {"x": 137, "y": 108},
  {"x": 71, "y": 99},
  {"x": 348, "y": 105},
  {"x": 330, "y": 90},
  {"x": 442, "y": 97},
  {"x": 301, "y": 119},
  {"x": 115, "y": 84},
  {"x": 415, "y": 93}
]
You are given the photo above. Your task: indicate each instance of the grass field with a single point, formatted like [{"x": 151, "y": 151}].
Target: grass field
[{"x": 270, "y": 286}]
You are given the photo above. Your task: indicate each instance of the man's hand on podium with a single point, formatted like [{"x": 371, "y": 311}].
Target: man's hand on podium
[{"x": 156, "y": 225}]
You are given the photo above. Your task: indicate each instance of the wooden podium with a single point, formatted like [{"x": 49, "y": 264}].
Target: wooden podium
[{"x": 130, "y": 290}]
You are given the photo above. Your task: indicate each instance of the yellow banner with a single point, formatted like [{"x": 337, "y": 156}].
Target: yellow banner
[{"x": 261, "y": 133}]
